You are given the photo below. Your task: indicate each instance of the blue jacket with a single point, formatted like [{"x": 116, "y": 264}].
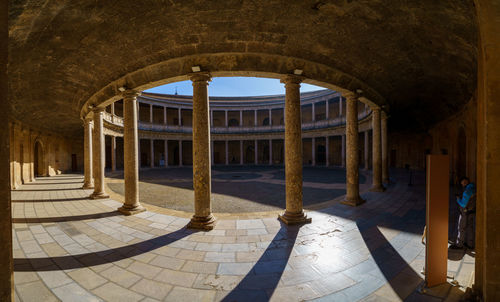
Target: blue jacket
[{"x": 469, "y": 191}]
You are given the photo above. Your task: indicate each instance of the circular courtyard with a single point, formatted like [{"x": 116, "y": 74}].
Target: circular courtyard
[{"x": 235, "y": 189}]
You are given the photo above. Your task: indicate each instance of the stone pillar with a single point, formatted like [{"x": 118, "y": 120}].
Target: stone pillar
[
  {"x": 255, "y": 123},
  {"x": 202, "y": 218},
  {"x": 487, "y": 268},
  {"x": 270, "y": 152},
  {"x": 164, "y": 115},
  {"x": 88, "y": 176},
  {"x": 294, "y": 213},
  {"x": 151, "y": 113},
  {"x": 256, "y": 149},
  {"x": 352, "y": 197},
  {"x": 376, "y": 152},
  {"x": 180, "y": 153},
  {"x": 179, "y": 116},
  {"x": 113, "y": 108},
  {"x": 241, "y": 152},
  {"x": 130, "y": 154},
  {"x": 6, "y": 261},
  {"x": 165, "y": 148},
  {"x": 327, "y": 151},
  {"x": 99, "y": 154},
  {"x": 152, "y": 151},
  {"x": 313, "y": 112},
  {"x": 313, "y": 151},
  {"x": 241, "y": 118},
  {"x": 211, "y": 120},
  {"x": 227, "y": 152},
  {"x": 226, "y": 122},
  {"x": 385, "y": 150},
  {"x": 327, "y": 109},
  {"x": 270, "y": 118},
  {"x": 367, "y": 150},
  {"x": 113, "y": 153},
  {"x": 340, "y": 106},
  {"x": 342, "y": 151}
]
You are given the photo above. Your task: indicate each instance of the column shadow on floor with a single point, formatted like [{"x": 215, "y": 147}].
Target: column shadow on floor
[
  {"x": 263, "y": 279},
  {"x": 98, "y": 258},
  {"x": 66, "y": 218}
]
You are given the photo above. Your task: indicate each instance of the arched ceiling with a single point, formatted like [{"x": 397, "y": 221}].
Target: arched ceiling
[{"x": 420, "y": 56}]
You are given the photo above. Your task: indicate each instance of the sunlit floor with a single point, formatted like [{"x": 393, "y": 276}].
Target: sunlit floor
[
  {"x": 235, "y": 189},
  {"x": 70, "y": 248}
]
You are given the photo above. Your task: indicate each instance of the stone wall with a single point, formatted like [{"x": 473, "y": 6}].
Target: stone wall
[
  {"x": 38, "y": 153},
  {"x": 455, "y": 136}
]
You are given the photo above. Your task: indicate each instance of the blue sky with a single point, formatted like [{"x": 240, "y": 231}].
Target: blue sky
[{"x": 233, "y": 86}]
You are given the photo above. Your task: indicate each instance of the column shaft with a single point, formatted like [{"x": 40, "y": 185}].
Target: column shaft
[
  {"x": 241, "y": 118},
  {"x": 327, "y": 109},
  {"x": 226, "y": 122},
  {"x": 180, "y": 153},
  {"x": 152, "y": 151},
  {"x": 376, "y": 152},
  {"x": 367, "y": 150},
  {"x": 255, "y": 118},
  {"x": 313, "y": 112},
  {"x": 88, "y": 182},
  {"x": 179, "y": 116},
  {"x": 294, "y": 212},
  {"x": 151, "y": 113},
  {"x": 131, "y": 154},
  {"x": 270, "y": 118},
  {"x": 164, "y": 115},
  {"x": 385, "y": 150},
  {"x": 99, "y": 154},
  {"x": 113, "y": 153},
  {"x": 313, "y": 151},
  {"x": 352, "y": 141},
  {"x": 202, "y": 218},
  {"x": 241, "y": 152},
  {"x": 227, "y": 152},
  {"x": 256, "y": 149}
]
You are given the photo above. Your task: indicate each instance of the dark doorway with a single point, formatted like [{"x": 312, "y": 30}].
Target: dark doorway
[
  {"x": 321, "y": 155},
  {"x": 74, "y": 163}
]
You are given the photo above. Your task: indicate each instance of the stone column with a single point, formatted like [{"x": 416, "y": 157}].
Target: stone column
[
  {"x": 294, "y": 213},
  {"x": 352, "y": 197},
  {"x": 202, "y": 218},
  {"x": 166, "y": 152},
  {"x": 376, "y": 152},
  {"x": 241, "y": 118},
  {"x": 313, "y": 151},
  {"x": 113, "y": 153},
  {"x": 327, "y": 149},
  {"x": 130, "y": 155},
  {"x": 152, "y": 151},
  {"x": 113, "y": 108},
  {"x": 99, "y": 154},
  {"x": 270, "y": 152},
  {"x": 342, "y": 151},
  {"x": 340, "y": 106},
  {"x": 88, "y": 165},
  {"x": 241, "y": 152},
  {"x": 227, "y": 152},
  {"x": 327, "y": 109},
  {"x": 270, "y": 118},
  {"x": 164, "y": 115},
  {"x": 256, "y": 149},
  {"x": 151, "y": 113},
  {"x": 255, "y": 118},
  {"x": 226, "y": 122},
  {"x": 313, "y": 112},
  {"x": 179, "y": 116},
  {"x": 367, "y": 150},
  {"x": 180, "y": 153},
  {"x": 385, "y": 149}
]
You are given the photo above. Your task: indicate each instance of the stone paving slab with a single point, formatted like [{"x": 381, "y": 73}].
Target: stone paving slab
[{"x": 83, "y": 250}]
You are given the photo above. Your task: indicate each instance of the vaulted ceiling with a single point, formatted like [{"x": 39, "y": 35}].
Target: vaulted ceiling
[{"x": 418, "y": 55}]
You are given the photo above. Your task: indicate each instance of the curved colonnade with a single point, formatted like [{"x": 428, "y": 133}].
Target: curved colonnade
[{"x": 325, "y": 128}]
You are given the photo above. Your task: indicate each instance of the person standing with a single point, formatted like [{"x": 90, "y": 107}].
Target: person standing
[{"x": 467, "y": 207}]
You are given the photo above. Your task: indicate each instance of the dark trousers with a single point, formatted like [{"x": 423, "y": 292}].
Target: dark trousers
[{"x": 466, "y": 230}]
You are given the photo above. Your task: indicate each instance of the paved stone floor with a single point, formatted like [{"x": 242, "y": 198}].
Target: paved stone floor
[
  {"x": 236, "y": 189},
  {"x": 70, "y": 248}
]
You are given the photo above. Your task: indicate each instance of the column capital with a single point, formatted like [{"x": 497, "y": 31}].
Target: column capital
[
  {"x": 292, "y": 79},
  {"x": 130, "y": 94},
  {"x": 376, "y": 108},
  {"x": 200, "y": 77},
  {"x": 98, "y": 109},
  {"x": 351, "y": 95}
]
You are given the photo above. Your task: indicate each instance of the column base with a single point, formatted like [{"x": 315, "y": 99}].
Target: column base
[
  {"x": 87, "y": 186},
  {"x": 100, "y": 195},
  {"x": 294, "y": 218},
  {"x": 131, "y": 210},
  {"x": 206, "y": 223},
  {"x": 353, "y": 202},
  {"x": 379, "y": 188}
]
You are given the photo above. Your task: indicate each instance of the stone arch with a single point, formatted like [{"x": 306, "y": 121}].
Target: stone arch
[
  {"x": 40, "y": 168},
  {"x": 233, "y": 64}
]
